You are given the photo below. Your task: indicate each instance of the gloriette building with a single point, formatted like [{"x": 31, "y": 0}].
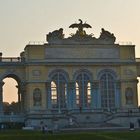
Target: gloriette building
[{"x": 79, "y": 80}]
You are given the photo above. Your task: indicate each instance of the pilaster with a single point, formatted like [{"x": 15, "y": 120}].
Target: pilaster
[
  {"x": 118, "y": 95},
  {"x": 1, "y": 98},
  {"x": 95, "y": 96},
  {"x": 71, "y": 95},
  {"x": 48, "y": 89}
]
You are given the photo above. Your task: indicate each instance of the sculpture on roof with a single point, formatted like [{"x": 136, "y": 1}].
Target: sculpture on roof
[
  {"x": 57, "y": 35},
  {"x": 80, "y": 37},
  {"x": 106, "y": 35},
  {"x": 80, "y": 27}
]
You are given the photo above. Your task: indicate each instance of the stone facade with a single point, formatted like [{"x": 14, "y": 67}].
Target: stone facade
[{"x": 79, "y": 76}]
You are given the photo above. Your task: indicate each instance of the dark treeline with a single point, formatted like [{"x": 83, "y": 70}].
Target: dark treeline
[{"x": 11, "y": 108}]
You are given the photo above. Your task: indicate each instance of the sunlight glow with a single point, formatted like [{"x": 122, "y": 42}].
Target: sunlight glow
[{"x": 10, "y": 90}]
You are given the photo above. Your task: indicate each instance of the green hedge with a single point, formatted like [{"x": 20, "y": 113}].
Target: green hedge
[{"x": 11, "y": 125}]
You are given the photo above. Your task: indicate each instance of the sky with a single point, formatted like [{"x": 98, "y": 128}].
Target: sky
[{"x": 22, "y": 21}]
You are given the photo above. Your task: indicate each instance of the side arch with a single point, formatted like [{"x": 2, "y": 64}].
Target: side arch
[
  {"x": 109, "y": 71},
  {"x": 18, "y": 78},
  {"x": 15, "y": 76},
  {"x": 108, "y": 89}
]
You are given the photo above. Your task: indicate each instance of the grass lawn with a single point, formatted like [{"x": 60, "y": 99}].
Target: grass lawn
[{"x": 34, "y": 135}]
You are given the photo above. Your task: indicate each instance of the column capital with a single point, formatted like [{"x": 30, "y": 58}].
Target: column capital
[
  {"x": 1, "y": 83},
  {"x": 71, "y": 84},
  {"x": 22, "y": 87},
  {"x": 23, "y": 84},
  {"x": 118, "y": 84},
  {"x": 95, "y": 84}
]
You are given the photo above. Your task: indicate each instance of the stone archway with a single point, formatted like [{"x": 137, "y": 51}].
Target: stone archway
[
  {"x": 10, "y": 96},
  {"x": 10, "y": 90},
  {"x": 20, "y": 92}
]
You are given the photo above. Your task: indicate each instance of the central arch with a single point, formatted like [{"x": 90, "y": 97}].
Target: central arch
[{"x": 83, "y": 91}]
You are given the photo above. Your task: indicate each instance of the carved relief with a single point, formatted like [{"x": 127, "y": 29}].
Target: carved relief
[
  {"x": 129, "y": 72},
  {"x": 36, "y": 72},
  {"x": 37, "y": 97},
  {"x": 55, "y": 35},
  {"x": 129, "y": 96},
  {"x": 105, "y": 35}
]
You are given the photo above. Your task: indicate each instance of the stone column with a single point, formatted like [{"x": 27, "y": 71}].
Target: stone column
[
  {"x": 19, "y": 99},
  {"x": 71, "y": 95},
  {"x": 95, "y": 96},
  {"x": 1, "y": 98},
  {"x": 0, "y": 56},
  {"x": 22, "y": 97},
  {"x": 48, "y": 100},
  {"x": 118, "y": 95}
]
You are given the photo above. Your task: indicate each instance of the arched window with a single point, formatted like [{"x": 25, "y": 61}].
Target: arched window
[
  {"x": 129, "y": 95},
  {"x": 89, "y": 93},
  {"x": 83, "y": 90},
  {"x": 77, "y": 94},
  {"x": 37, "y": 97},
  {"x": 107, "y": 88},
  {"x": 54, "y": 95},
  {"x": 58, "y": 91}
]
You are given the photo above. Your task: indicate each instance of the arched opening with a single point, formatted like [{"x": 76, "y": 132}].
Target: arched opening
[
  {"x": 54, "y": 95},
  {"x": 83, "y": 90},
  {"x": 10, "y": 96},
  {"x": 107, "y": 88},
  {"x": 88, "y": 93},
  {"x": 77, "y": 95},
  {"x": 58, "y": 91}
]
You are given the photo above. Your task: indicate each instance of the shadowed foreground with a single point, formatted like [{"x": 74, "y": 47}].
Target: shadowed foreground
[{"x": 32, "y": 135}]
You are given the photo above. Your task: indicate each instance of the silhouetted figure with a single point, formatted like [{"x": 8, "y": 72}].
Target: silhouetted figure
[
  {"x": 43, "y": 129},
  {"x": 132, "y": 126},
  {"x": 46, "y": 128}
]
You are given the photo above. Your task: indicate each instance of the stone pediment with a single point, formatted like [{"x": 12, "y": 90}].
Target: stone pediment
[{"x": 80, "y": 37}]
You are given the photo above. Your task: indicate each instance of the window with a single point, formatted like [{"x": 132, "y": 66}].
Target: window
[
  {"x": 89, "y": 93},
  {"x": 54, "y": 95},
  {"x": 77, "y": 95},
  {"x": 107, "y": 88},
  {"x": 83, "y": 90},
  {"x": 58, "y": 91}
]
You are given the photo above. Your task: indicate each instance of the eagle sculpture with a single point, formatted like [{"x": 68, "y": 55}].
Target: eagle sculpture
[{"x": 80, "y": 25}]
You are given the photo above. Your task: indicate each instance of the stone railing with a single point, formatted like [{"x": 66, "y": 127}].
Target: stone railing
[
  {"x": 36, "y": 43},
  {"x": 10, "y": 59}
]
